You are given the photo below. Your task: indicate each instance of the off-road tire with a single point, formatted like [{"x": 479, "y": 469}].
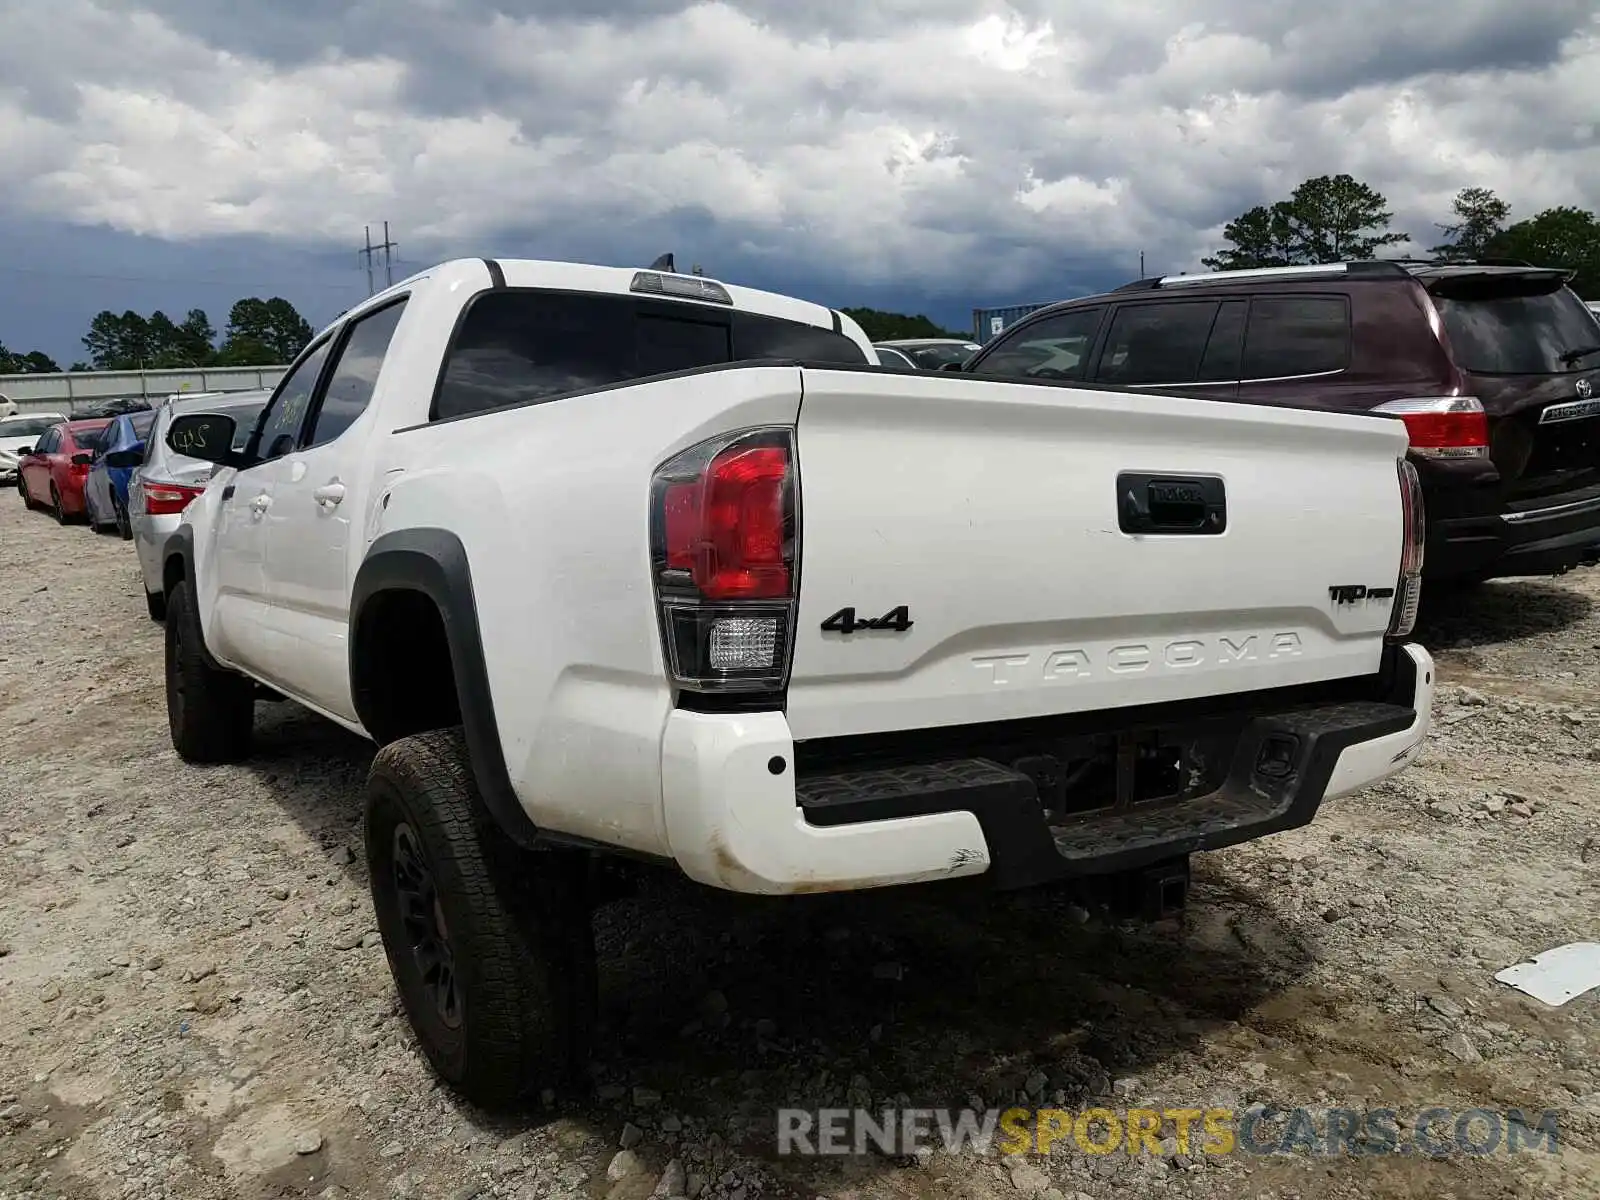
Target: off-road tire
[
  {"x": 516, "y": 937},
  {"x": 210, "y": 711},
  {"x": 156, "y": 605}
]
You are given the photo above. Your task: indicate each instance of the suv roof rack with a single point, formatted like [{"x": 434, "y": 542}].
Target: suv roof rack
[{"x": 1377, "y": 266}]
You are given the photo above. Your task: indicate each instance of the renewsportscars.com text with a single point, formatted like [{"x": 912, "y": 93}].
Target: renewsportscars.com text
[{"x": 1430, "y": 1132}]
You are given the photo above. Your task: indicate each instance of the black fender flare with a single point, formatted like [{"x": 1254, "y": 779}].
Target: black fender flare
[
  {"x": 434, "y": 563},
  {"x": 180, "y": 546}
]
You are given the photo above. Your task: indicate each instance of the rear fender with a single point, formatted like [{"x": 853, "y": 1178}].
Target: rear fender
[{"x": 434, "y": 563}]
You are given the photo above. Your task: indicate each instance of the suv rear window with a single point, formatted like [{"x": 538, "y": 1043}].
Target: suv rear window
[
  {"x": 1499, "y": 334},
  {"x": 1296, "y": 335},
  {"x": 524, "y": 347}
]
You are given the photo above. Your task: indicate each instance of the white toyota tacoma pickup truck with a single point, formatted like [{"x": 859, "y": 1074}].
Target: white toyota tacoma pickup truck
[{"x": 614, "y": 562}]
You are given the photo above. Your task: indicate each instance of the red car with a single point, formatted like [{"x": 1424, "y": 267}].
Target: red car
[{"x": 52, "y": 475}]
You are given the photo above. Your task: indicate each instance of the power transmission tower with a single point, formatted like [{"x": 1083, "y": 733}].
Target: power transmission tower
[{"x": 388, "y": 262}]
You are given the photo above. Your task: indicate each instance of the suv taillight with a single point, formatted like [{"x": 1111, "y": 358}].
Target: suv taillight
[
  {"x": 724, "y": 547},
  {"x": 1408, "y": 593},
  {"x": 1443, "y": 426}
]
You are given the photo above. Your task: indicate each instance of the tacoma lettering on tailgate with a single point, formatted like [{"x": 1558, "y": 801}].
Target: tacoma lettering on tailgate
[{"x": 1132, "y": 657}]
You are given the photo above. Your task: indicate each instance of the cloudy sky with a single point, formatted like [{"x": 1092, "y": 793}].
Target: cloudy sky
[{"x": 929, "y": 155}]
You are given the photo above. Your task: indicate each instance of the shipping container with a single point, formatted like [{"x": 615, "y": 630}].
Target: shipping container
[{"x": 986, "y": 322}]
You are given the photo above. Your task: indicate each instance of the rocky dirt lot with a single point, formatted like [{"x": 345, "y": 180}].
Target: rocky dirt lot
[{"x": 193, "y": 1003}]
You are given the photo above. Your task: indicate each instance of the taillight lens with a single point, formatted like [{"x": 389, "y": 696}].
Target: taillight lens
[
  {"x": 168, "y": 499},
  {"x": 1408, "y": 593},
  {"x": 724, "y": 552},
  {"x": 1443, "y": 426}
]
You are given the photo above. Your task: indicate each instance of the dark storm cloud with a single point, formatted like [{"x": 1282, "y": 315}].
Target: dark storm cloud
[{"x": 967, "y": 150}]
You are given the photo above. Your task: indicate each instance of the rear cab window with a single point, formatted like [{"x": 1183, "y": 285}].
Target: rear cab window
[
  {"x": 527, "y": 346},
  {"x": 1516, "y": 326}
]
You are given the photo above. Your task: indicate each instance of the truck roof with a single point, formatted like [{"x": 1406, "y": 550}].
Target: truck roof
[{"x": 585, "y": 277}]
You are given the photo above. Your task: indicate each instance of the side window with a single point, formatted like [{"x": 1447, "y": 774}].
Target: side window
[
  {"x": 1156, "y": 343},
  {"x": 1051, "y": 348},
  {"x": 288, "y": 409},
  {"x": 47, "y": 444},
  {"x": 1296, "y": 335},
  {"x": 355, "y": 373},
  {"x": 1223, "y": 350},
  {"x": 756, "y": 336}
]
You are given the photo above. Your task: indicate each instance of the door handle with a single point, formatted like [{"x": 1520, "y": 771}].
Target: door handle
[{"x": 329, "y": 494}]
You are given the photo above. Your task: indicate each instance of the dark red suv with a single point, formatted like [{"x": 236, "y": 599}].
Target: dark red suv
[{"x": 1493, "y": 366}]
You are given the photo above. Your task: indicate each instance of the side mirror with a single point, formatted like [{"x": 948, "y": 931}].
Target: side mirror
[
  {"x": 24, "y": 451},
  {"x": 82, "y": 460},
  {"x": 124, "y": 458},
  {"x": 206, "y": 436}
]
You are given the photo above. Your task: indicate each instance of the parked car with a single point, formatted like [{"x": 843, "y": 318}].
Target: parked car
[
  {"x": 51, "y": 474},
  {"x": 109, "y": 406},
  {"x": 535, "y": 528},
  {"x": 165, "y": 481},
  {"x": 1493, "y": 367},
  {"x": 893, "y": 356},
  {"x": 932, "y": 354},
  {"x": 117, "y": 451},
  {"x": 19, "y": 433}
]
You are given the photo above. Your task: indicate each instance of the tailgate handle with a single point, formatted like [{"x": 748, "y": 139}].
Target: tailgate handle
[{"x": 1174, "y": 504}]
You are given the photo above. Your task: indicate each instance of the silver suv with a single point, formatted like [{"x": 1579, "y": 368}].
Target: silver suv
[{"x": 166, "y": 481}]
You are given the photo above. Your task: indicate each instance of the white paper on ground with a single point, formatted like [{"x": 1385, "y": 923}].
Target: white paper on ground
[{"x": 1558, "y": 975}]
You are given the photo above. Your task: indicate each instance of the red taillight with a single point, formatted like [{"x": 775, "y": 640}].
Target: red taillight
[
  {"x": 723, "y": 547},
  {"x": 741, "y": 551},
  {"x": 168, "y": 499},
  {"x": 727, "y": 528},
  {"x": 681, "y": 515},
  {"x": 1443, "y": 426}
]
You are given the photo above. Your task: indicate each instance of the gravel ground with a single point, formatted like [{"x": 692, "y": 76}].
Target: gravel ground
[{"x": 193, "y": 1003}]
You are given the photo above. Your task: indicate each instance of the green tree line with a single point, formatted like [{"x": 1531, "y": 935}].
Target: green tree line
[
  {"x": 259, "y": 333},
  {"x": 1334, "y": 218}
]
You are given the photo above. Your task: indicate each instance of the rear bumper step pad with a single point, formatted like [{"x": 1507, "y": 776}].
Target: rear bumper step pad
[{"x": 1279, "y": 771}]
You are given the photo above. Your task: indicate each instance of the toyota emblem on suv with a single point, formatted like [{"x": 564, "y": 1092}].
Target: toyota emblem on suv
[{"x": 1585, "y": 389}]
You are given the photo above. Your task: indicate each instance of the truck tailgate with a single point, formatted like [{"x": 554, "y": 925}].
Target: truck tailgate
[{"x": 991, "y": 513}]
